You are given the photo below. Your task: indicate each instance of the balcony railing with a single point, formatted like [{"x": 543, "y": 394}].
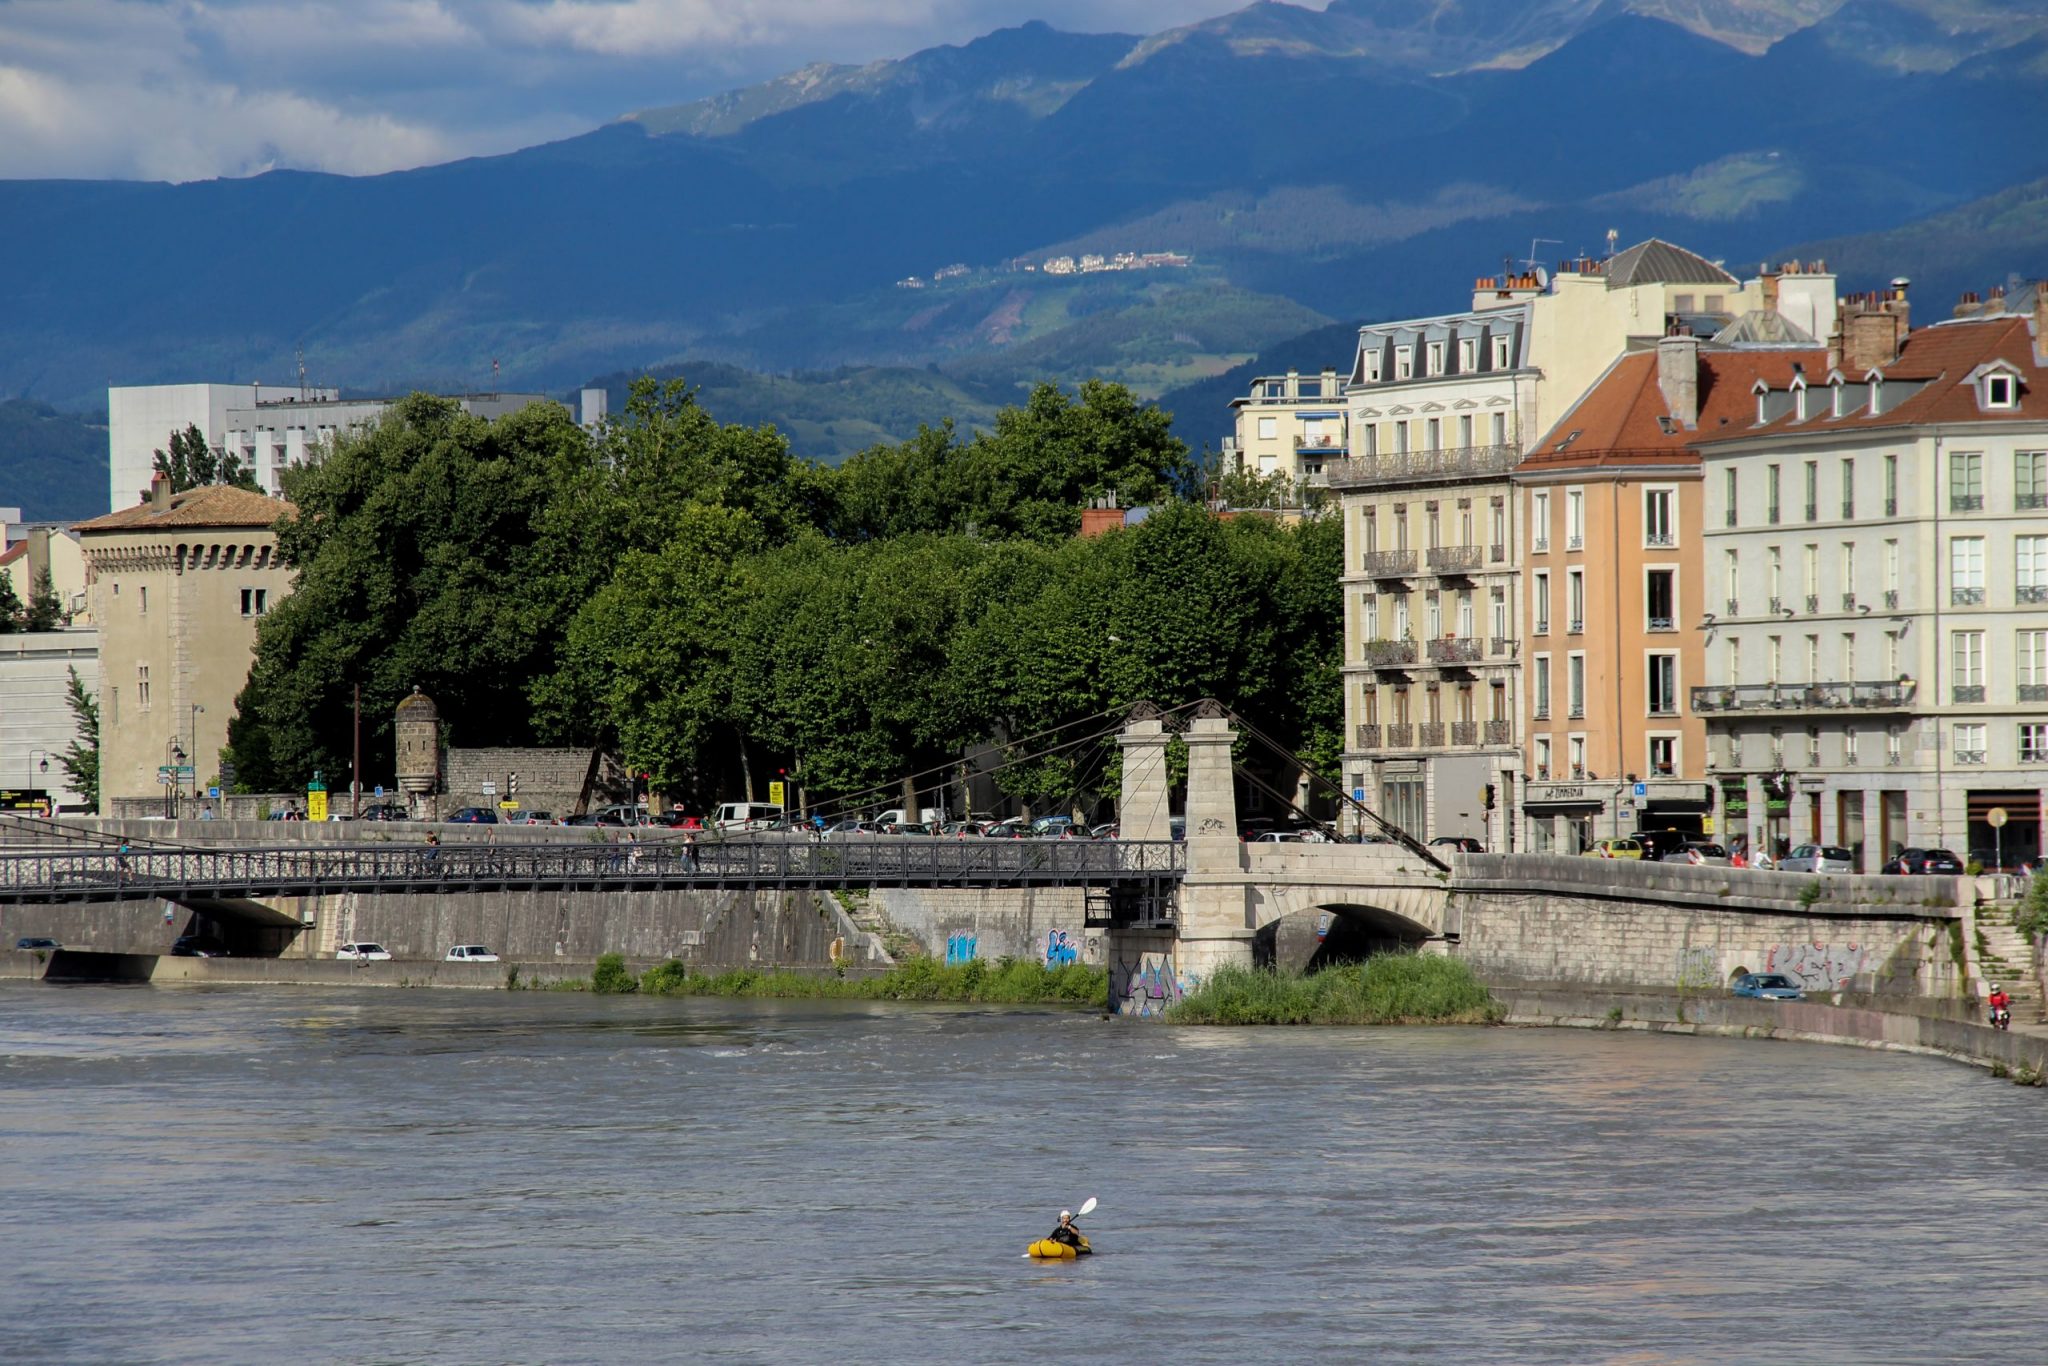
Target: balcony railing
[
  {"x": 1430, "y": 735},
  {"x": 1777, "y": 606},
  {"x": 1734, "y": 607},
  {"x": 1891, "y": 507},
  {"x": 1455, "y": 559},
  {"x": 1967, "y": 692},
  {"x": 1500, "y": 732},
  {"x": 1575, "y": 541},
  {"x": 1812, "y": 604},
  {"x": 1813, "y": 512},
  {"x": 1969, "y": 756},
  {"x": 1414, "y": 467},
  {"x": 1334, "y": 444},
  {"x": 1540, "y": 546},
  {"x": 2033, "y": 756},
  {"x": 1731, "y": 516},
  {"x": 1893, "y": 758},
  {"x": 1401, "y": 735},
  {"x": 1891, "y": 597},
  {"x": 1660, "y": 540},
  {"x": 2031, "y": 592},
  {"x": 2033, "y": 692},
  {"x": 1541, "y": 712},
  {"x": 1771, "y": 514},
  {"x": 1389, "y": 654},
  {"x": 1456, "y": 650},
  {"x": 1497, "y": 554},
  {"x": 1848, "y": 509},
  {"x": 1753, "y": 697},
  {"x": 2030, "y": 502},
  {"x": 1966, "y": 597},
  {"x": 1464, "y": 732},
  {"x": 1368, "y": 735},
  {"x": 1966, "y": 502},
  {"x": 1389, "y": 564},
  {"x": 1505, "y": 645},
  {"x": 1848, "y": 602},
  {"x": 1576, "y": 626},
  {"x": 1662, "y": 624},
  {"x": 1577, "y": 712}
]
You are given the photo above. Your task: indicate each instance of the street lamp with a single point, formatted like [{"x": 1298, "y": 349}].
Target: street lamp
[{"x": 49, "y": 807}]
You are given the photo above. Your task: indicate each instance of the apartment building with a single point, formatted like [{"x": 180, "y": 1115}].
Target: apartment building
[
  {"x": 1612, "y": 501},
  {"x": 1288, "y": 424},
  {"x": 1877, "y": 539},
  {"x": 1436, "y": 409}
]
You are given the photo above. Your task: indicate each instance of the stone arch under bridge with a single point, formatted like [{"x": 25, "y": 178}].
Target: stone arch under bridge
[{"x": 1339, "y": 932}]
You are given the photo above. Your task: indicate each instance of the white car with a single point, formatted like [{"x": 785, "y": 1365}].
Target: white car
[
  {"x": 470, "y": 953},
  {"x": 364, "y": 952}
]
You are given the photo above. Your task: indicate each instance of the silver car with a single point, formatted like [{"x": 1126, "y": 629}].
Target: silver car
[
  {"x": 1818, "y": 858},
  {"x": 1699, "y": 852}
]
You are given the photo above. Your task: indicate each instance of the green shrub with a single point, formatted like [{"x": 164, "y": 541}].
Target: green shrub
[
  {"x": 1390, "y": 988},
  {"x": 665, "y": 979},
  {"x": 1810, "y": 893},
  {"x": 2030, "y": 917},
  {"x": 1007, "y": 982},
  {"x": 610, "y": 975}
]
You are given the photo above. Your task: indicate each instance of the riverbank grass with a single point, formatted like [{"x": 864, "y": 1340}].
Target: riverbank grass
[
  {"x": 1005, "y": 982},
  {"x": 1389, "y": 988}
]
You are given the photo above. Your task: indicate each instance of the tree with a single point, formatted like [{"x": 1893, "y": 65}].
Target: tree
[
  {"x": 81, "y": 758},
  {"x": 11, "y": 612},
  {"x": 45, "y": 611},
  {"x": 191, "y": 463}
]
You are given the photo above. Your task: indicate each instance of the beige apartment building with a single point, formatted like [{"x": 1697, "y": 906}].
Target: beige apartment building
[
  {"x": 1291, "y": 424},
  {"x": 1614, "y": 634},
  {"x": 177, "y": 585}
]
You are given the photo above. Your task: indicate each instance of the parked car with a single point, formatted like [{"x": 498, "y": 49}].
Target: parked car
[
  {"x": 1461, "y": 844},
  {"x": 197, "y": 946},
  {"x": 745, "y": 816},
  {"x": 900, "y": 828},
  {"x": 530, "y": 818},
  {"x": 961, "y": 829},
  {"x": 1058, "y": 828},
  {"x": 1818, "y": 858},
  {"x": 1767, "y": 986},
  {"x": 1616, "y": 848},
  {"x": 362, "y": 951},
  {"x": 679, "y": 820},
  {"x": 1657, "y": 843},
  {"x": 620, "y": 816},
  {"x": 37, "y": 944},
  {"x": 1699, "y": 851},
  {"x": 1279, "y": 837},
  {"x": 1011, "y": 829},
  {"x": 1103, "y": 832},
  {"x": 474, "y": 815},
  {"x": 386, "y": 811},
  {"x": 1924, "y": 861},
  {"x": 470, "y": 953}
]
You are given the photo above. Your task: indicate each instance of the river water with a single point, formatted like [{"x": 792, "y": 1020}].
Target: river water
[{"x": 266, "y": 1175}]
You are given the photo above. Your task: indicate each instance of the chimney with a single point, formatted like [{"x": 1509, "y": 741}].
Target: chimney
[
  {"x": 2041, "y": 320},
  {"x": 1869, "y": 330},
  {"x": 159, "y": 494},
  {"x": 1678, "y": 378}
]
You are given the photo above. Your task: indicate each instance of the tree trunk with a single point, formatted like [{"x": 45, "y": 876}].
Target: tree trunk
[{"x": 746, "y": 770}]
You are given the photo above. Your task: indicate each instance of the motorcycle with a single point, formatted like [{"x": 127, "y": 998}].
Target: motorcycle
[{"x": 2001, "y": 1017}]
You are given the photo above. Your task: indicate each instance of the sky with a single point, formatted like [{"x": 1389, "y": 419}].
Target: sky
[{"x": 192, "y": 89}]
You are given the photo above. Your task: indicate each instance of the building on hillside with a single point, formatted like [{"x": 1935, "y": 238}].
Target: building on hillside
[
  {"x": 1436, "y": 408},
  {"x": 36, "y": 722},
  {"x": 176, "y": 586},
  {"x": 27, "y": 550},
  {"x": 1291, "y": 424},
  {"x": 1877, "y": 550},
  {"x": 271, "y": 427},
  {"x": 1613, "y": 634}
]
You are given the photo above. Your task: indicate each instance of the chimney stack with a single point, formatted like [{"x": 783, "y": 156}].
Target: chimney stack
[
  {"x": 1678, "y": 377},
  {"x": 2041, "y": 320},
  {"x": 159, "y": 493},
  {"x": 1870, "y": 330}
]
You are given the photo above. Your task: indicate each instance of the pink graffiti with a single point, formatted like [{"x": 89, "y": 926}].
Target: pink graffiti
[{"x": 1817, "y": 967}]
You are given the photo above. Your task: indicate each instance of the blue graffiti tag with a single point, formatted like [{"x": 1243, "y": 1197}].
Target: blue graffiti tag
[
  {"x": 960, "y": 947},
  {"x": 1060, "y": 949}
]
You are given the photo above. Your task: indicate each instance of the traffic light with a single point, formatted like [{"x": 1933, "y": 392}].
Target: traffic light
[
  {"x": 511, "y": 784},
  {"x": 1486, "y": 796}
]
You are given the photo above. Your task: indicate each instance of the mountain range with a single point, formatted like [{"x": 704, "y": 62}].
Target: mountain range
[{"x": 1365, "y": 160}]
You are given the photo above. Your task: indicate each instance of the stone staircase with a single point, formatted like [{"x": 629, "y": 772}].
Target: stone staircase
[
  {"x": 2004, "y": 956},
  {"x": 886, "y": 944}
]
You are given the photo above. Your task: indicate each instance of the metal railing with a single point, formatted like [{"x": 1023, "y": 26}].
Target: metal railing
[
  {"x": 1967, "y": 692},
  {"x": 1966, "y": 502},
  {"x": 1368, "y": 735},
  {"x": 1812, "y": 604},
  {"x": 1575, "y": 541},
  {"x": 1660, "y": 540},
  {"x": 1456, "y": 650},
  {"x": 1661, "y": 624},
  {"x": 1389, "y": 564},
  {"x": 1966, "y": 597},
  {"x": 1500, "y": 732},
  {"x": 1848, "y": 602},
  {"x": 1401, "y": 735},
  {"x": 1409, "y": 467},
  {"x": 794, "y": 863},
  {"x": 1455, "y": 559},
  {"x": 1389, "y": 654},
  {"x": 1970, "y": 756},
  {"x": 2030, "y": 592},
  {"x": 2030, "y": 502},
  {"x": 1430, "y": 735},
  {"x": 1464, "y": 732},
  {"x": 1508, "y": 645},
  {"x": 1891, "y": 597},
  {"x": 1744, "y": 697}
]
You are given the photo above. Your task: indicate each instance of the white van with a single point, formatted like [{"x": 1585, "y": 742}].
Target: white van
[
  {"x": 746, "y": 816},
  {"x": 926, "y": 815}
]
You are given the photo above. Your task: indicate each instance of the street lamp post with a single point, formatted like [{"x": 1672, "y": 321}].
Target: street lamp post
[{"x": 49, "y": 807}]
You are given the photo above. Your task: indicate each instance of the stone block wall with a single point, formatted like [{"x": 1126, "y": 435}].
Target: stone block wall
[{"x": 1042, "y": 925}]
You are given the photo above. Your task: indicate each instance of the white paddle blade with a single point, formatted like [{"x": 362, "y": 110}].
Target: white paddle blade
[{"x": 1087, "y": 1206}]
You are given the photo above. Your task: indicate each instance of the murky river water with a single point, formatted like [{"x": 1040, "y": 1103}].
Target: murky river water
[{"x": 356, "y": 1175}]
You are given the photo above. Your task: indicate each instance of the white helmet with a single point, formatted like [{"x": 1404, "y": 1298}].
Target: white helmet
[
  {"x": 1994, "y": 986},
  {"x": 1065, "y": 1215}
]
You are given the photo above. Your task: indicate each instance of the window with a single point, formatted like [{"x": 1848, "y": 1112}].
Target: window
[
  {"x": 2000, "y": 391},
  {"x": 2030, "y": 568},
  {"x": 1891, "y": 573},
  {"x": 1465, "y": 617},
  {"x": 1732, "y": 494},
  {"x": 1372, "y": 366},
  {"x": 1436, "y": 434},
  {"x": 1404, "y": 362},
  {"x": 1371, "y": 530},
  {"x": 1848, "y": 576},
  {"x": 1372, "y": 439},
  {"x": 1848, "y": 490},
  {"x": 1468, "y": 354},
  {"x": 142, "y": 600},
  {"x": 1575, "y": 683},
  {"x": 1663, "y": 689},
  {"x": 1734, "y": 659},
  {"x": 1578, "y": 753},
  {"x": 1543, "y": 754},
  {"x": 1775, "y": 658},
  {"x": 1772, "y": 482},
  {"x": 1848, "y": 672},
  {"x": 1776, "y": 564},
  {"x": 1543, "y": 687},
  {"x": 1966, "y": 665},
  {"x": 1663, "y": 755},
  {"x": 248, "y": 602},
  {"x": 1715, "y": 303},
  {"x": 1849, "y": 746},
  {"x": 1966, "y": 570},
  {"x": 1891, "y": 655},
  {"x": 1400, "y": 438},
  {"x": 1539, "y": 520},
  {"x": 1969, "y": 737},
  {"x": 1894, "y": 746},
  {"x": 1575, "y": 600},
  {"x": 1813, "y": 746},
  {"x": 1500, "y": 612},
  {"x": 1734, "y": 584},
  {"x": 1500, "y": 429},
  {"x": 1500, "y": 528},
  {"x": 1660, "y": 526},
  {"x": 1660, "y": 600},
  {"x": 1433, "y": 609},
  {"x": 1965, "y": 481},
  {"x": 1401, "y": 526},
  {"x": 1809, "y": 560},
  {"x": 1433, "y": 525},
  {"x": 142, "y": 686},
  {"x": 1575, "y": 519},
  {"x": 1541, "y": 605},
  {"x": 1500, "y": 351},
  {"x": 1891, "y": 486},
  {"x": 1269, "y": 428},
  {"x": 1812, "y": 490},
  {"x": 2034, "y": 742},
  {"x": 1465, "y": 431},
  {"x": 1434, "y": 362},
  {"x": 2030, "y": 649},
  {"x": 2030, "y": 480},
  {"x": 1681, "y": 303},
  {"x": 1401, "y": 623}
]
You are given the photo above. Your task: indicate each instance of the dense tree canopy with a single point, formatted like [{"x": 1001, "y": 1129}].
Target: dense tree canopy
[
  {"x": 190, "y": 463},
  {"x": 718, "y": 610}
]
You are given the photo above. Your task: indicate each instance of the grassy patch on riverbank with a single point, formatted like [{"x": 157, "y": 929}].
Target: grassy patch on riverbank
[
  {"x": 1390, "y": 988},
  {"x": 1008, "y": 982}
]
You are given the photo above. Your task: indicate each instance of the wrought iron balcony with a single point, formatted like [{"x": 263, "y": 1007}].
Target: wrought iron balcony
[
  {"x": 1660, "y": 540},
  {"x": 2030, "y": 502},
  {"x": 2033, "y": 692},
  {"x": 1576, "y": 626},
  {"x": 2030, "y": 592},
  {"x": 1416, "y": 467},
  {"x": 1575, "y": 541},
  {"x": 1812, "y": 604},
  {"x": 1969, "y": 756},
  {"x": 1401, "y": 735},
  {"x": 1967, "y": 692},
  {"x": 1430, "y": 735},
  {"x": 1891, "y": 597},
  {"x": 1966, "y": 502},
  {"x": 1777, "y": 606},
  {"x": 1505, "y": 645},
  {"x": 1389, "y": 654},
  {"x": 1542, "y": 626},
  {"x": 1755, "y": 697},
  {"x": 1389, "y": 564},
  {"x": 1966, "y": 597},
  {"x": 1734, "y": 607},
  {"x": 1464, "y": 732},
  {"x": 1540, "y": 546},
  {"x": 1848, "y": 602},
  {"x": 1500, "y": 732},
  {"x": 1455, "y": 559},
  {"x": 1454, "y": 650},
  {"x": 1661, "y": 624},
  {"x": 1368, "y": 735}
]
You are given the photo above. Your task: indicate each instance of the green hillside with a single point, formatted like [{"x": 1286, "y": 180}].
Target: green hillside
[{"x": 53, "y": 465}]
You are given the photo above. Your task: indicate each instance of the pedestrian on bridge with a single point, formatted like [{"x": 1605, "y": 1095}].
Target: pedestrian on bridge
[{"x": 690, "y": 851}]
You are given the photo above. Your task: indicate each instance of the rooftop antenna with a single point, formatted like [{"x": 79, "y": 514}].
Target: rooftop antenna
[
  {"x": 1613, "y": 236},
  {"x": 1530, "y": 261},
  {"x": 300, "y": 353}
]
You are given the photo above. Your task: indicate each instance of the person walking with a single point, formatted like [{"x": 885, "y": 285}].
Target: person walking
[{"x": 690, "y": 851}]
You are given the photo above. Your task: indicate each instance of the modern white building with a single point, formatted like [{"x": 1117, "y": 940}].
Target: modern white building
[
  {"x": 1290, "y": 424},
  {"x": 1876, "y": 554},
  {"x": 36, "y": 723}
]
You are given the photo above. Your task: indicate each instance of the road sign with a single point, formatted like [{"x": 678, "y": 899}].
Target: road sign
[
  {"x": 508, "y": 805},
  {"x": 213, "y": 793},
  {"x": 490, "y": 789},
  {"x": 775, "y": 794},
  {"x": 175, "y": 770},
  {"x": 1642, "y": 789},
  {"x": 1995, "y": 817},
  {"x": 380, "y": 789},
  {"x": 1357, "y": 794},
  {"x": 316, "y": 804}
]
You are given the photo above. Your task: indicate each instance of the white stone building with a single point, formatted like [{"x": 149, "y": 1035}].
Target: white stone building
[
  {"x": 36, "y": 724},
  {"x": 1290, "y": 424}
]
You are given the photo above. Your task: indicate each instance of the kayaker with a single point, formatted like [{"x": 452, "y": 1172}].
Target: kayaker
[{"x": 1066, "y": 1232}]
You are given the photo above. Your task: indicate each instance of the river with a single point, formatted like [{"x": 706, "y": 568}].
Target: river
[{"x": 270, "y": 1175}]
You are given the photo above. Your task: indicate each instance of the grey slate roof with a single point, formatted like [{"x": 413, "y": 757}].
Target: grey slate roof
[
  {"x": 1658, "y": 262},
  {"x": 1763, "y": 327}
]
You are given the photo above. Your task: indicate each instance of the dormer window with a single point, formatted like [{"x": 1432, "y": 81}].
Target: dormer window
[
  {"x": 1839, "y": 403},
  {"x": 1762, "y": 400},
  {"x": 1404, "y": 362},
  {"x": 2001, "y": 391},
  {"x": 1799, "y": 400},
  {"x": 1372, "y": 367}
]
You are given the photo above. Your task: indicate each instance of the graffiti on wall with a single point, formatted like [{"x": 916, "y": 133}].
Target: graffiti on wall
[
  {"x": 961, "y": 947},
  {"x": 1147, "y": 986},
  {"x": 1699, "y": 969},
  {"x": 1061, "y": 949},
  {"x": 1816, "y": 967}
]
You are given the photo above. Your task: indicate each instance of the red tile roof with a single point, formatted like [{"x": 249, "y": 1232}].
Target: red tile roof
[
  {"x": 216, "y": 505},
  {"x": 1617, "y": 424}
]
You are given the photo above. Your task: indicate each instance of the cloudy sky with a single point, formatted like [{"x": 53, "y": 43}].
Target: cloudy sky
[{"x": 187, "y": 89}]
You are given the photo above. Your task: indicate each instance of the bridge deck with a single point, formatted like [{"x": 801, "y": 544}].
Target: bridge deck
[{"x": 756, "y": 865}]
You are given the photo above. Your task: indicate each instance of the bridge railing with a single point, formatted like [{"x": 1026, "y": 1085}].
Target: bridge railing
[{"x": 762, "y": 862}]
